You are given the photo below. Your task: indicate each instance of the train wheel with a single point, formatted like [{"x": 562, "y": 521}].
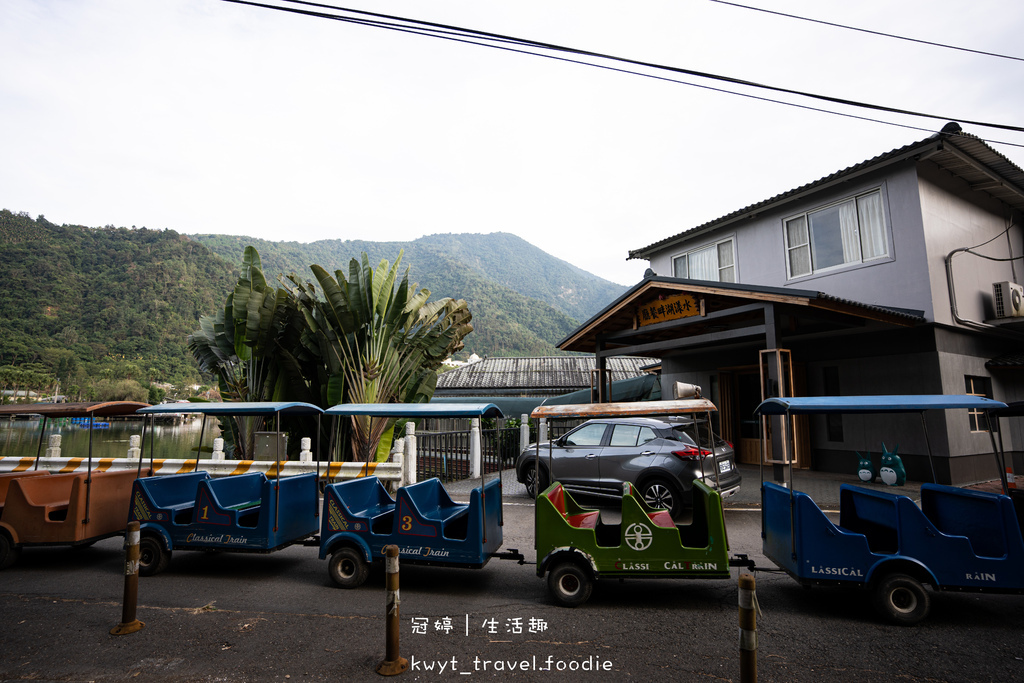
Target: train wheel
[
  {"x": 8, "y": 552},
  {"x": 570, "y": 584},
  {"x": 153, "y": 557},
  {"x": 347, "y": 568},
  {"x": 901, "y": 599}
]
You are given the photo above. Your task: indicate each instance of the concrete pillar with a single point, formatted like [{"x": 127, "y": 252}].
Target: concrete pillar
[
  {"x": 524, "y": 432},
  {"x": 475, "y": 465},
  {"x": 134, "y": 447},
  {"x": 305, "y": 454},
  {"x": 53, "y": 446},
  {"x": 218, "y": 449},
  {"x": 409, "y": 461}
]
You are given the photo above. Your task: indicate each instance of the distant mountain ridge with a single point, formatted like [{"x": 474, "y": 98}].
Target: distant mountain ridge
[
  {"x": 87, "y": 304},
  {"x": 523, "y": 300}
]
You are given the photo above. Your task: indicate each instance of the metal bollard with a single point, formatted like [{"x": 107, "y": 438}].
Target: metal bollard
[
  {"x": 748, "y": 629},
  {"x": 129, "y": 624},
  {"x": 393, "y": 664}
]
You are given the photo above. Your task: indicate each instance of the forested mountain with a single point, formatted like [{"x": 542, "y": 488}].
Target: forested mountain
[
  {"x": 85, "y": 304},
  {"x": 106, "y": 312},
  {"x": 497, "y": 258},
  {"x": 523, "y": 300}
]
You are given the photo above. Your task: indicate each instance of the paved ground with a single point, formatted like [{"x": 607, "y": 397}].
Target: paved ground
[{"x": 822, "y": 487}]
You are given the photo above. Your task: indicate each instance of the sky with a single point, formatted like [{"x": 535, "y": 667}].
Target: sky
[{"x": 203, "y": 116}]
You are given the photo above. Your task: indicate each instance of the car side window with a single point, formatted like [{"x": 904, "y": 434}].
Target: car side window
[
  {"x": 587, "y": 435},
  {"x": 647, "y": 434},
  {"x": 680, "y": 434},
  {"x": 625, "y": 435}
]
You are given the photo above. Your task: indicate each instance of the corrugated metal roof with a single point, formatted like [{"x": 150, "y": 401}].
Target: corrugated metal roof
[
  {"x": 563, "y": 373},
  {"x": 964, "y": 155}
]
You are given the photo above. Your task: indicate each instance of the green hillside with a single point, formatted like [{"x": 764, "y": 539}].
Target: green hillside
[
  {"x": 106, "y": 312},
  {"x": 85, "y": 304},
  {"x": 524, "y": 301}
]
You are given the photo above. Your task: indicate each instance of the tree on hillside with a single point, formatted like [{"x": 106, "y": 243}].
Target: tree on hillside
[{"x": 381, "y": 342}]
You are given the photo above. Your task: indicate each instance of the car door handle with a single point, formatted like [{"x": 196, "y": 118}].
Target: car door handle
[
  {"x": 591, "y": 455},
  {"x": 647, "y": 453}
]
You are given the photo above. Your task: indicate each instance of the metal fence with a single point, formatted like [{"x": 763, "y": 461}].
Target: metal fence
[{"x": 445, "y": 455}]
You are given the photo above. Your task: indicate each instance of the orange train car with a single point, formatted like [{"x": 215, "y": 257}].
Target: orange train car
[{"x": 76, "y": 508}]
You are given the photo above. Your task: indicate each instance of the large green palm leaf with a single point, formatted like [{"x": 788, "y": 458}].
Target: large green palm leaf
[{"x": 388, "y": 339}]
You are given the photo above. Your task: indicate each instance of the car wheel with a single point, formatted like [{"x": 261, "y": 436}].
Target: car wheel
[
  {"x": 661, "y": 495},
  {"x": 570, "y": 584},
  {"x": 531, "y": 480},
  {"x": 153, "y": 557},
  {"x": 901, "y": 599},
  {"x": 8, "y": 552},
  {"x": 348, "y": 568}
]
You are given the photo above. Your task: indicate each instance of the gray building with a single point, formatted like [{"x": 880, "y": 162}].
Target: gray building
[{"x": 898, "y": 275}]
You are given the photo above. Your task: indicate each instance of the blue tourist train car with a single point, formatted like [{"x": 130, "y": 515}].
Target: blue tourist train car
[
  {"x": 956, "y": 539},
  {"x": 249, "y": 512},
  {"x": 360, "y": 517}
]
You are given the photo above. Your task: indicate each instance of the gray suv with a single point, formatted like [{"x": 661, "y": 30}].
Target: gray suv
[{"x": 660, "y": 457}]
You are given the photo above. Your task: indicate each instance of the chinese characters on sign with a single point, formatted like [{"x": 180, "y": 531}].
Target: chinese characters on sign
[
  {"x": 668, "y": 308},
  {"x": 513, "y": 625}
]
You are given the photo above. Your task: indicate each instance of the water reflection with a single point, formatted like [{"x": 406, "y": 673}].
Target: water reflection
[{"x": 21, "y": 438}]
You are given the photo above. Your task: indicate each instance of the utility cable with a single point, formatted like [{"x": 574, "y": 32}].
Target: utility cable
[
  {"x": 872, "y": 32},
  {"x": 458, "y": 34}
]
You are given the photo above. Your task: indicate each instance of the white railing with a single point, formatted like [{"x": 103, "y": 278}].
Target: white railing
[{"x": 216, "y": 465}]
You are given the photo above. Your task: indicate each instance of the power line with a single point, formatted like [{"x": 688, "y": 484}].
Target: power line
[
  {"x": 872, "y": 32},
  {"x": 503, "y": 42}
]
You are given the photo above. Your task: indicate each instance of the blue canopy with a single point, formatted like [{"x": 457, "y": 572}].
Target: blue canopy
[
  {"x": 805, "y": 405},
  {"x": 240, "y": 408},
  {"x": 417, "y": 410}
]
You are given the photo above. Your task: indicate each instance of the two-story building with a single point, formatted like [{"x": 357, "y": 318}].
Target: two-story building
[{"x": 897, "y": 275}]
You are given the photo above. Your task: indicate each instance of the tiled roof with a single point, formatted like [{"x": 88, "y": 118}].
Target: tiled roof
[
  {"x": 1010, "y": 360},
  {"x": 561, "y": 373}
]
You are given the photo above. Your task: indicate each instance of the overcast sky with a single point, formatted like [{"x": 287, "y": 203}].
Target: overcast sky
[{"x": 203, "y": 116}]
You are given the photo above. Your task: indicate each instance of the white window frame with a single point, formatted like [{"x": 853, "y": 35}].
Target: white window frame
[
  {"x": 881, "y": 239},
  {"x": 719, "y": 268}
]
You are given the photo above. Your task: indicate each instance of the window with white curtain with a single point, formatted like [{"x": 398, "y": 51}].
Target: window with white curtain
[
  {"x": 715, "y": 262},
  {"x": 850, "y": 231}
]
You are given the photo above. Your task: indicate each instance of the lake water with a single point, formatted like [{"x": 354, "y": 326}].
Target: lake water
[{"x": 20, "y": 438}]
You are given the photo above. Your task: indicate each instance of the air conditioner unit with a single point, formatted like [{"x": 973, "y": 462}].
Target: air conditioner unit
[{"x": 1008, "y": 299}]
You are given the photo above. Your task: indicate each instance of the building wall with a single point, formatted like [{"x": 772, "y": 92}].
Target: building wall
[
  {"x": 958, "y": 217},
  {"x": 921, "y": 360},
  {"x": 929, "y": 213},
  {"x": 898, "y": 280}
]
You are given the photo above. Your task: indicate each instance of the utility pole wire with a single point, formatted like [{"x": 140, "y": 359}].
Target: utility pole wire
[
  {"x": 449, "y": 32},
  {"x": 866, "y": 30}
]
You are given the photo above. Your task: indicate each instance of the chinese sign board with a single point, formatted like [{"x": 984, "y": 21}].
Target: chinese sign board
[{"x": 668, "y": 308}]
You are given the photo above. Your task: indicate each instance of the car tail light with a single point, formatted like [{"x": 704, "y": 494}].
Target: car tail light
[{"x": 691, "y": 453}]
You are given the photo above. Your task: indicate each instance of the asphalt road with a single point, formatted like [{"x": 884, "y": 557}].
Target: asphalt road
[{"x": 277, "y": 617}]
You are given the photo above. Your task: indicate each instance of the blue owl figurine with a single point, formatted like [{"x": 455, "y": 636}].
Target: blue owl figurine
[
  {"x": 891, "y": 470},
  {"x": 866, "y": 469}
]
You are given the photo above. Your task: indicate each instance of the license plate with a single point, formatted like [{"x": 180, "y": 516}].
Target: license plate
[{"x": 724, "y": 466}]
